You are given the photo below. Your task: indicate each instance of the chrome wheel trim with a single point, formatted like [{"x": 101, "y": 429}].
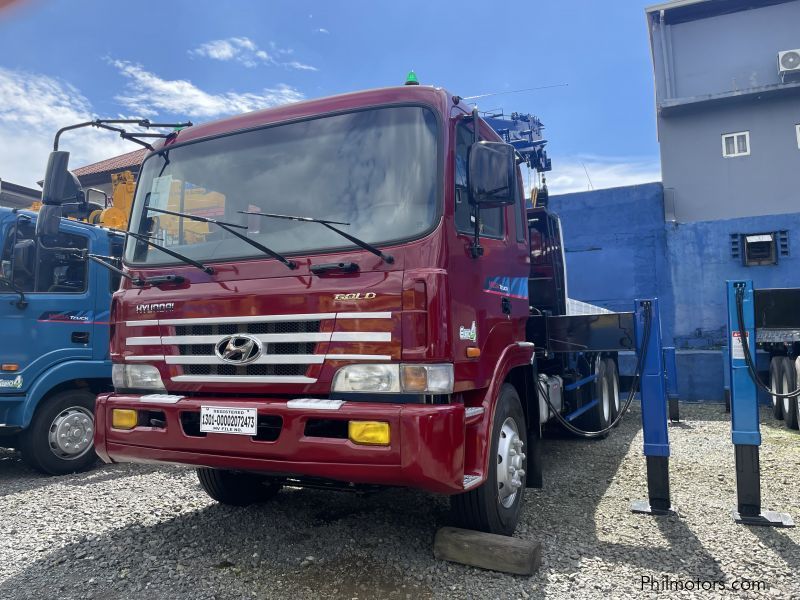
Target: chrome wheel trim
[
  {"x": 510, "y": 460},
  {"x": 71, "y": 433}
]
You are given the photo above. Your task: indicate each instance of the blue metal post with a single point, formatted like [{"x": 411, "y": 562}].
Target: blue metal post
[
  {"x": 652, "y": 386},
  {"x": 672, "y": 384},
  {"x": 744, "y": 412}
]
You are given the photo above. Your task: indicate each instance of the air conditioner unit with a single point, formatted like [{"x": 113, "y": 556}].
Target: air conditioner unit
[{"x": 789, "y": 62}]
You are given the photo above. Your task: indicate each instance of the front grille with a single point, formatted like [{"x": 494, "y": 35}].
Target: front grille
[
  {"x": 277, "y": 348},
  {"x": 198, "y": 344},
  {"x": 245, "y": 370},
  {"x": 252, "y": 328}
]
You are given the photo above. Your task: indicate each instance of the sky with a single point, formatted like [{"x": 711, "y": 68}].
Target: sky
[{"x": 62, "y": 62}]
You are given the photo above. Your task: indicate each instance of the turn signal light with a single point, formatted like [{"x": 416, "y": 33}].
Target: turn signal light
[
  {"x": 124, "y": 418},
  {"x": 9, "y": 367},
  {"x": 373, "y": 433},
  {"x": 473, "y": 352}
]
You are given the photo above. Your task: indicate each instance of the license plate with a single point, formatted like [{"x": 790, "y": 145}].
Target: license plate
[{"x": 219, "y": 419}]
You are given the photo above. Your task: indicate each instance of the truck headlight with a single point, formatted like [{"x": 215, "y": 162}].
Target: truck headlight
[
  {"x": 136, "y": 377},
  {"x": 395, "y": 379}
]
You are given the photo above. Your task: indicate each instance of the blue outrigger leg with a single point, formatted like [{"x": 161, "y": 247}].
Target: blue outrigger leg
[
  {"x": 745, "y": 433},
  {"x": 653, "y": 390}
]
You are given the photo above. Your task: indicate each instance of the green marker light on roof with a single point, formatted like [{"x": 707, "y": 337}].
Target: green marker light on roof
[{"x": 411, "y": 78}]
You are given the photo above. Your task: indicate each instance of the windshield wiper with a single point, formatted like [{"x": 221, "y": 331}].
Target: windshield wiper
[
  {"x": 330, "y": 225},
  {"x": 230, "y": 228},
  {"x": 181, "y": 257},
  {"x": 107, "y": 261}
]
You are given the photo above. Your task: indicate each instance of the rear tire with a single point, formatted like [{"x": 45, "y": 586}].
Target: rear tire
[
  {"x": 235, "y": 488},
  {"x": 599, "y": 416},
  {"x": 494, "y": 507},
  {"x": 776, "y": 384},
  {"x": 60, "y": 437},
  {"x": 789, "y": 378},
  {"x": 612, "y": 379}
]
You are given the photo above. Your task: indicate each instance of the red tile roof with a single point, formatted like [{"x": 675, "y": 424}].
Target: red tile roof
[{"x": 111, "y": 165}]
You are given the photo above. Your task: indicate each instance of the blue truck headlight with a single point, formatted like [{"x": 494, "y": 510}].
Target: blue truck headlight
[
  {"x": 136, "y": 377},
  {"x": 409, "y": 379}
]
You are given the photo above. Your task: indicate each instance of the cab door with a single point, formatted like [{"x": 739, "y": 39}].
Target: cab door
[
  {"x": 488, "y": 293},
  {"x": 56, "y": 322}
]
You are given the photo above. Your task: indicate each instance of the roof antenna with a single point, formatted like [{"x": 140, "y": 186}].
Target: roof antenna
[
  {"x": 585, "y": 170},
  {"x": 541, "y": 87}
]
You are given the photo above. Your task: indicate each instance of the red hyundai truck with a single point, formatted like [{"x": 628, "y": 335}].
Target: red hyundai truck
[{"x": 350, "y": 292}]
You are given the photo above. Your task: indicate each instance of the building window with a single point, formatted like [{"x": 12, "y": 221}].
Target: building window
[{"x": 736, "y": 144}]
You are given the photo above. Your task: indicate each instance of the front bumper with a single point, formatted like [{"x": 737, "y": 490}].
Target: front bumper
[{"x": 426, "y": 449}]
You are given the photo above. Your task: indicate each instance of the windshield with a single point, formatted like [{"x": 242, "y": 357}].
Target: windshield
[{"x": 374, "y": 169}]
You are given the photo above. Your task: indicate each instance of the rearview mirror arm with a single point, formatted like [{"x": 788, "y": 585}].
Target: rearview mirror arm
[
  {"x": 22, "y": 303},
  {"x": 475, "y": 249}
]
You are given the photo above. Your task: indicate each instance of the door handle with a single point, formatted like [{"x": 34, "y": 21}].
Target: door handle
[
  {"x": 506, "y": 304},
  {"x": 80, "y": 337}
]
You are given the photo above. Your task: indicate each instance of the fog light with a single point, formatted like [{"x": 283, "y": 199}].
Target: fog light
[
  {"x": 124, "y": 418},
  {"x": 373, "y": 433}
]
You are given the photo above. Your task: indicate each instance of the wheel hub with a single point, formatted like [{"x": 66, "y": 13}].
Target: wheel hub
[
  {"x": 510, "y": 460},
  {"x": 71, "y": 432}
]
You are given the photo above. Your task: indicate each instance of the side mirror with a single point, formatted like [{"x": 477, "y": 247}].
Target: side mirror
[
  {"x": 60, "y": 187},
  {"x": 491, "y": 174}
]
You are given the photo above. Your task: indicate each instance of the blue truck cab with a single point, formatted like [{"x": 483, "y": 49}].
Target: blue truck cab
[{"x": 54, "y": 338}]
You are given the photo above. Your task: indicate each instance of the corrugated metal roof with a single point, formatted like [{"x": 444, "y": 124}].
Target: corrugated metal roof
[{"x": 111, "y": 165}]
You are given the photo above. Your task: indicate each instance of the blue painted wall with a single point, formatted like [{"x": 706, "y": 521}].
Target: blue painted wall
[{"x": 618, "y": 248}]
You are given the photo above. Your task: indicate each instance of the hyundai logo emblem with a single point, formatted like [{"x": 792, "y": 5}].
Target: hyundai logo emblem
[{"x": 238, "y": 349}]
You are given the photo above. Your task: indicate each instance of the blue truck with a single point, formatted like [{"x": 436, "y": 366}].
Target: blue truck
[{"x": 54, "y": 338}]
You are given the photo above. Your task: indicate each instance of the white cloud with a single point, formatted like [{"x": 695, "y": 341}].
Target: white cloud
[
  {"x": 569, "y": 173},
  {"x": 147, "y": 94},
  {"x": 300, "y": 66},
  {"x": 322, "y": 30},
  {"x": 246, "y": 52},
  {"x": 32, "y": 108}
]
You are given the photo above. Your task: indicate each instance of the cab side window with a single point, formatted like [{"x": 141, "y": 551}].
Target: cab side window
[
  {"x": 56, "y": 269},
  {"x": 491, "y": 220}
]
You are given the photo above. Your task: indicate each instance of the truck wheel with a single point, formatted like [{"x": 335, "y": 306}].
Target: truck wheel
[
  {"x": 789, "y": 379},
  {"x": 494, "y": 507},
  {"x": 612, "y": 380},
  {"x": 776, "y": 384},
  {"x": 60, "y": 437},
  {"x": 599, "y": 416},
  {"x": 236, "y": 488}
]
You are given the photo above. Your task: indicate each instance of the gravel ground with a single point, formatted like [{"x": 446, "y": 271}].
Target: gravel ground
[{"x": 128, "y": 531}]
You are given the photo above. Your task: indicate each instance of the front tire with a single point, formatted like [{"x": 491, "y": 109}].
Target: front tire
[
  {"x": 60, "y": 437},
  {"x": 235, "y": 488},
  {"x": 494, "y": 507}
]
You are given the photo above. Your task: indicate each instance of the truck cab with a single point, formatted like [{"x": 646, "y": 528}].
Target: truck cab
[
  {"x": 54, "y": 313},
  {"x": 340, "y": 293}
]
